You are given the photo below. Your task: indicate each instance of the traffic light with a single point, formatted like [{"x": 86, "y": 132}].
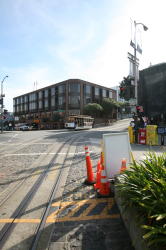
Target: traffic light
[
  {"x": 5, "y": 111},
  {"x": 1, "y": 101},
  {"x": 127, "y": 90},
  {"x": 125, "y": 93},
  {"x": 122, "y": 92}
]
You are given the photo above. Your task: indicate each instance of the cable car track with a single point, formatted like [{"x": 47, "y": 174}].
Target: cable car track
[
  {"x": 19, "y": 211},
  {"x": 47, "y": 209},
  {"x": 19, "y": 184},
  {"x": 20, "y": 146}
]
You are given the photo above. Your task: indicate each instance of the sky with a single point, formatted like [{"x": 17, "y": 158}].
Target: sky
[{"x": 49, "y": 41}]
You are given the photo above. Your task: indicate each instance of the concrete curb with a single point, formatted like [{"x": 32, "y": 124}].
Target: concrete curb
[{"x": 130, "y": 219}]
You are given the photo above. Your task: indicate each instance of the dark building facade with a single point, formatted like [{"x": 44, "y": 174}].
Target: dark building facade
[
  {"x": 67, "y": 97},
  {"x": 152, "y": 91}
]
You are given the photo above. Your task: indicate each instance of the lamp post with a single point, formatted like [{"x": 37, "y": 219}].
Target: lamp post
[
  {"x": 135, "y": 59},
  {"x": 1, "y": 99}
]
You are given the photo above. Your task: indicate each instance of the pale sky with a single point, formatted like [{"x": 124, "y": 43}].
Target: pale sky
[{"x": 49, "y": 41}]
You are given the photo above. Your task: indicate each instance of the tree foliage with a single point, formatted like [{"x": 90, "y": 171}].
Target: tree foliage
[
  {"x": 127, "y": 90},
  {"x": 93, "y": 109},
  {"x": 143, "y": 188},
  {"x": 124, "y": 105},
  {"x": 108, "y": 106}
]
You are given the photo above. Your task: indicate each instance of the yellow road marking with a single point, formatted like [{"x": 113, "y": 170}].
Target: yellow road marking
[
  {"x": 65, "y": 203},
  {"x": 20, "y": 220},
  {"x": 80, "y": 218},
  {"x": 84, "y": 215},
  {"x": 61, "y": 206},
  {"x": 107, "y": 208},
  {"x": 88, "y": 209},
  {"x": 74, "y": 210}
]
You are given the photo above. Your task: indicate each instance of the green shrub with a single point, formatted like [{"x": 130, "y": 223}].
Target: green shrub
[{"x": 143, "y": 187}]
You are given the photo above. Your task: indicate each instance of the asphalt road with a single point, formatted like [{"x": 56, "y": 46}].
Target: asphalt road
[{"x": 24, "y": 157}]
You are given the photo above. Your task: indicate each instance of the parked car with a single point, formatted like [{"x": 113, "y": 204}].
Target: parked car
[{"x": 25, "y": 128}]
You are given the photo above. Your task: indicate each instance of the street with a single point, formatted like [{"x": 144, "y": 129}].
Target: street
[{"x": 41, "y": 173}]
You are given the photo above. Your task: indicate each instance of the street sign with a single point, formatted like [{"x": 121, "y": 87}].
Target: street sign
[{"x": 161, "y": 130}]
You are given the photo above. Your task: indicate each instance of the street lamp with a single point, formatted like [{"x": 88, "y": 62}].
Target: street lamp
[
  {"x": 135, "y": 59},
  {"x": 1, "y": 102}
]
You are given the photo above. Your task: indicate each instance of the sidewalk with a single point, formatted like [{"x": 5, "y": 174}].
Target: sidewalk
[{"x": 87, "y": 222}]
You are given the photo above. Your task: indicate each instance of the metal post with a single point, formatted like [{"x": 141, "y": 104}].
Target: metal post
[
  {"x": 135, "y": 65},
  {"x": 2, "y": 102},
  {"x": 135, "y": 59}
]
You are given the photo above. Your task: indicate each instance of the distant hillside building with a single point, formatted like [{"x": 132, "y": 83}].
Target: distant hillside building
[
  {"x": 67, "y": 97},
  {"x": 152, "y": 91}
]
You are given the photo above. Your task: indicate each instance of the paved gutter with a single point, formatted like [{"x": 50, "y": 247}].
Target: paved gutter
[{"x": 80, "y": 233}]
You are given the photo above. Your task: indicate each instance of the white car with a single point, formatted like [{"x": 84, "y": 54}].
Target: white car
[{"x": 25, "y": 128}]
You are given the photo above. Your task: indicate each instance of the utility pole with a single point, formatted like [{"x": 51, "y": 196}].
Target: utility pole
[
  {"x": 1, "y": 102},
  {"x": 135, "y": 59}
]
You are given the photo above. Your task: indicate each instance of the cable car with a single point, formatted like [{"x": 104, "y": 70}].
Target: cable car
[{"x": 78, "y": 122}]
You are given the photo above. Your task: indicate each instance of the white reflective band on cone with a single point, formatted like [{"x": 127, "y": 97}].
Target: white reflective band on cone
[
  {"x": 103, "y": 180},
  {"x": 103, "y": 173}
]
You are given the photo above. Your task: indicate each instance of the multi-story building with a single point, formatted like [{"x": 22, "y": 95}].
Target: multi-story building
[
  {"x": 152, "y": 90},
  {"x": 67, "y": 97}
]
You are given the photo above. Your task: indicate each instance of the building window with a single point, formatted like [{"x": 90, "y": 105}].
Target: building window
[
  {"x": 87, "y": 89},
  {"x": 22, "y": 99},
  {"x": 32, "y": 106},
  {"x": 104, "y": 93},
  {"x": 52, "y": 91},
  {"x": 97, "y": 91},
  {"x": 18, "y": 108},
  {"x": 110, "y": 94},
  {"x": 46, "y": 93},
  {"x": 40, "y": 94},
  {"x": 87, "y": 99},
  {"x": 21, "y": 107},
  {"x": 61, "y": 100},
  {"x": 46, "y": 103},
  {"x": 74, "y": 101},
  {"x": 53, "y": 101},
  {"x": 40, "y": 104},
  {"x": 26, "y": 107},
  {"x": 61, "y": 89},
  {"x": 32, "y": 97},
  {"x": 74, "y": 88},
  {"x": 18, "y": 100},
  {"x": 25, "y": 98}
]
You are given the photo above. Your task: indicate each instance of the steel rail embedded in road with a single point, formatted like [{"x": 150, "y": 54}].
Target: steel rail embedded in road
[
  {"x": 23, "y": 178},
  {"x": 15, "y": 150},
  {"x": 47, "y": 209},
  {"x": 8, "y": 228}
]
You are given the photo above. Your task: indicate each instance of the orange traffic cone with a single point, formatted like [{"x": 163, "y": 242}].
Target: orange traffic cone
[
  {"x": 104, "y": 189},
  {"x": 99, "y": 165},
  {"x": 102, "y": 158},
  {"x": 98, "y": 176},
  {"x": 90, "y": 177},
  {"x": 123, "y": 166}
]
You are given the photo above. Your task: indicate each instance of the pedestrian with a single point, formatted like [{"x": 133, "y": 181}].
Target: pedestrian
[
  {"x": 136, "y": 128},
  {"x": 141, "y": 123}
]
